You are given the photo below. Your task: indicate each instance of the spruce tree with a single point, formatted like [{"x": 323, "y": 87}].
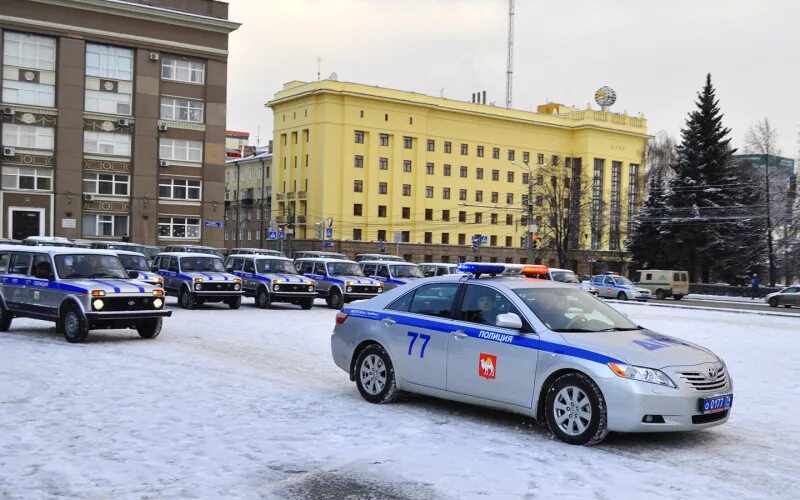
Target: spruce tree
[{"x": 647, "y": 242}]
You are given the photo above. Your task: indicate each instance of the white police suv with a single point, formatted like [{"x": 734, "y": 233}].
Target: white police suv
[
  {"x": 198, "y": 278},
  {"x": 529, "y": 346},
  {"x": 272, "y": 279},
  {"x": 338, "y": 281}
]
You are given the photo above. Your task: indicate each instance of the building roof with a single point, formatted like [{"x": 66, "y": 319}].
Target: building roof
[
  {"x": 236, "y": 133},
  {"x": 261, "y": 153}
]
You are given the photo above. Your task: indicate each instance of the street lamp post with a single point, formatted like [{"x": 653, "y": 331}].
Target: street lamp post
[{"x": 529, "y": 208}]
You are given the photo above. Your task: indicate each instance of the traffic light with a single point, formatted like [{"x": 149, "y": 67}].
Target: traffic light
[
  {"x": 525, "y": 240},
  {"x": 318, "y": 229},
  {"x": 537, "y": 243}
]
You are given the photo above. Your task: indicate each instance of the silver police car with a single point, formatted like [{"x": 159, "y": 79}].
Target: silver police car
[
  {"x": 79, "y": 289},
  {"x": 535, "y": 347}
]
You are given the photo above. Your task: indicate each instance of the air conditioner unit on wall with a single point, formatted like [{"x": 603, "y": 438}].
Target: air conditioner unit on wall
[
  {"x": 155, "y": 56},
  {"x": 9, "y": 151},
  {"x": 163, "y": 127},
  {"x": 8, "y": 110},
  {"x": 123, "y": 122},
  {"x": 163, "y": 163},
  {"x": 88, "y": 197}
]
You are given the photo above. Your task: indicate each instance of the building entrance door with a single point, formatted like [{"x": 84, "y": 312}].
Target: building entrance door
[{"x": 25, "y": 223}]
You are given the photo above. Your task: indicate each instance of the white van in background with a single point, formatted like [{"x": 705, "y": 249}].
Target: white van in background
[{"x": 663, "y": 283}]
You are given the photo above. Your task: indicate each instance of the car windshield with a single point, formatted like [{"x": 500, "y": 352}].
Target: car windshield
[
  {"x": 565, "y": 277},
  {"x": 344, "y": 269},
  {"x": 134, "y": 262},
  {"x": 406, "y": 271},
  {"x": 78, "y": 266},
  {"x": 130, "y": 248},
  {"x": 275, "y": 266},
  {"x": 622, "y": 280},
  {"x": 202, "y": 264},
  {"x": 212, "y": 251},
  {"x": 334, "y": 256},
  {"x": 572, "y": 310}
]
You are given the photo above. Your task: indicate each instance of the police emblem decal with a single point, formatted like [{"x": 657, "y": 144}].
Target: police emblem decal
[{"x": 487, "y": 366}]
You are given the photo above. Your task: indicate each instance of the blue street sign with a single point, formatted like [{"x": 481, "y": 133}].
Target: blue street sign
[
  {"x": 484, "y": 240},
  {"x": 329, "y": 232},
  {"x": 475, "y": 238},
  {"x": 213, "y": 223},
  {"x": 281, "y": 235},
  {"x": 327, "y": 244},
  {"x": 272, "y": 235}
]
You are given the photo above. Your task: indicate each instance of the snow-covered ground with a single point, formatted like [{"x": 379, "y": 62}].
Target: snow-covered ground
[{"x": 248, "y": 404}]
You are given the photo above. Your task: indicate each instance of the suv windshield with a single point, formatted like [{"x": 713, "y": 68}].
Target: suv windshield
[
  {"x": 89, "y": 266},
  {"x": 565, "y": 277},
  {"x": 622, "y": 280},
  {"x": 212, "y": 251},
  {"x": 275, "y": 266},
  {"x": 572, "y": 310},
  {"x": 130, "y": 248},
  {"x": 406, "y": 271},
  {"x": 344, "y": 269},
  {"x": 134, "y": 262},
  {"x": 202, "y": 264}
]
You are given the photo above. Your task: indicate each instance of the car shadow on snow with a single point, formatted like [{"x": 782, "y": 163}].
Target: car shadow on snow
[{"x": 49, "y": 335}]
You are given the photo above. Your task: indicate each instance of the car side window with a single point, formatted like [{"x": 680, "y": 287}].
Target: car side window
[
  {"x": 648, "y": 277},
  {"x": 369, "y": 269},
  {"x": 249, "y": 266},
  {"x": 383, "y": 271},
  {"x": 319, "y": 268},
  {"x": 434, "y": 299},
  {"x": 41, "y": 266},
  {"x": 482, "y": 305},
  {"x": 3, "y": 262},
  {"x": 20, "y": 263},
  {"x": 403, "y": 303},
  {"x": 173, "y": 264},
  {"x": 609, "y": 280}
]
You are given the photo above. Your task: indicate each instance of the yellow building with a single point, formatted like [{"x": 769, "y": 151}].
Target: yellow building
[{"x": 386, "y": 163}]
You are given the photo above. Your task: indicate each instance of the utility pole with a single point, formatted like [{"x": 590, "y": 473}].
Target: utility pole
[
  {"x": 769, "y": 225},
  {"x": 238, "y": 204},
  {"x": 530, "y": 213},
  {"x": 510, "y": 62}
]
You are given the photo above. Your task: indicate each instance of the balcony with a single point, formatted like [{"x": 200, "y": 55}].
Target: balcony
[
  {"x": 301, "y": 195},
  {"x": 280, "y": 196},
  {"x": 290, "y": 196},
  {"x": 301, "y": 219},
  {"x": 281, "y": 219},
  {"x": 247, "y": 202}
]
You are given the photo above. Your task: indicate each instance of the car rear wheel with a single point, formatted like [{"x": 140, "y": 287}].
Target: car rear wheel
[
  {"x": 5, "y": 319},
  {"x": 773, "y": 302},
  {"x": 186, "y": 299},
  {"x": 75, "y": 327},
  {"x": 622, "y": 296},
  {"x": 149, "y": 328},
  {"x": 375, "y": 375},
  {"x": 307, "y": 303},
  {"x": 787, "y": 306},
  {"x": 660, "y": 294},
  {"x": 262, "y": 298},
  {"x": 234, "y": 302},
  {"x": 335, "y": 300},
  {"x": 576, "y": 410},
  {"x": 677, "y": 297}
]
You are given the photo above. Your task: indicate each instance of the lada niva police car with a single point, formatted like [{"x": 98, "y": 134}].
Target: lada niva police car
[
  {"x": 198, "y": 278},
  {"x": 272, "y": 279},
  {"x": 535, "y": 347},
  {"x": 614, "y": 286},
  {"x": 135, "y": 261},
  {"x": 338, "y": 281},
  {"x": 79, "y": 289},
  {"x": 391, "y": 274}
]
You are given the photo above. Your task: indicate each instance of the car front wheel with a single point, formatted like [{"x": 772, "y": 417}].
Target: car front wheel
[
  {"x": 375, "y": 375},
  {"x": 335, "y": 300},
  {"x": 74, "y": 324},
  {"x": 234, "y": 302},
  {"x": 262, "y": 298},
  {"x": 576, "y": 410},
  {"x": 307, "y": 303},
  {"x": 773, "y": 302},
  {"x": 622, "y": 296},
  {"x": 149, "y": 328},
  {"x": 186, "y": 299},
  {"x": 5, "y": 319}
]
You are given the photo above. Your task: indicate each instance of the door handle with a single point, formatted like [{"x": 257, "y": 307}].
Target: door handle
[
  {"x": 389, "y": 321},
  {"x": 459, "y": 334}
]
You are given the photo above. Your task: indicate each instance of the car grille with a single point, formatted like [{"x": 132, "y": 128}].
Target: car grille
[
  {"x": 293, "y": 288},
  {"x": 216, "y": 287},
  {"x": 709, "y": 417},
  {"x": 117, "y": 304},
  {"x": 700, "y": 380},
  {"x": 364, "y": 289}
]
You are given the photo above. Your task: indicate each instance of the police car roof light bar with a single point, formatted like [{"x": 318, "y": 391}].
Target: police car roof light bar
[
  {"x": 535, "y": 271},
  {"x": 478, "y": 268}
]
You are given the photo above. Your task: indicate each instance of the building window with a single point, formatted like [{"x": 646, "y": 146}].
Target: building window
[
  {"x": 597, "y": 203},
  {"x": 178, "y": 227},
  {"x": 180, "y": 150},
  {"x": 358, "y": 186},
  {"x": 509, "y": 222},
  {"x": 540, "y": 158},
  {"x": 428, "y": 191},
  {"x": 445, "y": 238},
  {"x": 381, "y": 235},
  {"x": 462, "y": 194},
  {"x": 554, "y": 161},
  {"x": 446, "y": 215},
  {"x": 180, "y": 189},
  {"x": 356, "y": 234},
  {"x": 462, "y": 217},
  {"x": 104, "y": 225},
  {"x": 106, "y": 143},
  {"x": 359, "y": 137},
  {"x": 383, "y": 163},
  {"x": 431, "y": 145},
  {"x": 381, "y": 210},
  {"x": 407, "y": 142},
  {"x": 462, "y": 239},
  {"x": 36, "y": 94},
  {"x": 26, "y": 136},
  {"x": 358, "y": 161},
  {"x": 510, "y": 176},
  {"x": 633, "y": 195},
  {"x": 539, "y": 200},
  {"x": 29, "y": 178},
  {"x": 478, "y": 195},
  {"x": 446, "y": 193},
  {"x": 479, "y": 151},
  {"x": 181, "y": 70},
  {"x": 183, "y": 110},
  {"x": 448, "y": 147},
  {"x": 447, "y": 169},
  {"x": 509, "y": 198},
  {"x": 495, "y": 175},
  {"x": 428, "y": 237},
  {"x": 463, "y": 171},
  {"x": 405, "y": 236},
  {"x": 495, "y": 153},
  {"x": 524, "y": 202},
  {"x": 406, "y": 212},
  {"x": 479, "y": 173},
  {"x": 406, "y": 189},
  {"x": 495, "y": 197},
  {"x": 29, "y": 51},
  {"x": 428, "y": 214},
  {"x": 478, "y": 217},
  {"x": 383, "y": 188},
  {"x": 358, "y": 209},
  {"x": 383, "y": 139},
  {"x": 526, "y": 178},
  {"x": 464, "y": 149},
  {"x": 105, "y": 61},
  {"x": 407, "y": 166},
  {"x": 429, "y": 168},
  {"x": 510, "y": 155},
  {"x": 493, "y": 240},
  {"x": 493, "y": 218},
  {"x": 526, "y": 157},
  {"x": 106, "y": 184},
  {"x": 539, "y": 180},
  {"x": 614, "y": 206}
]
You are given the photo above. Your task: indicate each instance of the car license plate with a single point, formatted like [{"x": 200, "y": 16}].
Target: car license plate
[{"x": 715, "y": 404}]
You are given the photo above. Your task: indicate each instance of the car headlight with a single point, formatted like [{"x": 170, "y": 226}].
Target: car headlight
[
  {"x": 160, "y": 280},
  {"x": 275, "y": 288},
  {"x": 380, "y": 284},
  {"x": 642, "y": 374},
  {"x": 237, "y": 280},
  {"x": 158, "y": 303},
  {"x": 198, "y": 280},
  {"x": 349, "y": 289},
  {"x": 237, "y": 286},
  {"x": 311, "y": 288},
  {"x": 348, "y": 283},
  {"x": 198, "y": 286},
  {"x": 98, "y": 304}
]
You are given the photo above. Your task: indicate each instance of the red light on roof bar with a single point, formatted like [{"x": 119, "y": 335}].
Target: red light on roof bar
[{"x": 534, "y": 271}]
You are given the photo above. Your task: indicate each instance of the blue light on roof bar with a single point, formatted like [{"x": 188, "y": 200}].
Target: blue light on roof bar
[{"x": 481, "y": 268}]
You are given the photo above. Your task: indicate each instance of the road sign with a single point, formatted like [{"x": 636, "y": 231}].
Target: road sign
[
  {"x": 272, "y": 235},
  {"x": 329, "y": 232},
  {"x": 281, "y": 235},
  {"x": 327, "y": 244},
  {"x": 484, "y": 239},
  {"x": 213, "y": 223},
  {"x": 476, "y": 238},
  {"x": 533, "y": 228}
]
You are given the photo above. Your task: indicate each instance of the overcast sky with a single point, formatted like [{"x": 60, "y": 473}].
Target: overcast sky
[{"x": 655, "y": 54}]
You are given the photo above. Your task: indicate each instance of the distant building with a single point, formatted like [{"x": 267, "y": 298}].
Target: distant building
[
  {"x": 235, "y": 143},
  {"x": 783, "y": 164},
  {"x": 248, "y": 194}
]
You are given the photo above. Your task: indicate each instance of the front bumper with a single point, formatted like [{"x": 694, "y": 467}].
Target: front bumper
[
  {"x": 216, "y": 293},
  {"x": 95, "y": 316},
  {"x": 628, "y": 401},
  {"x": 294, "y": 295},
  {"x": 355, "y": 296}
]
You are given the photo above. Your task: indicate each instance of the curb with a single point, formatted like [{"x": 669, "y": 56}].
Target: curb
[{"x": 704, "y": 308}]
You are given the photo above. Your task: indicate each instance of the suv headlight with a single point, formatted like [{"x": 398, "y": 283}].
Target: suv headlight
[{"x": 642, "y": 374}]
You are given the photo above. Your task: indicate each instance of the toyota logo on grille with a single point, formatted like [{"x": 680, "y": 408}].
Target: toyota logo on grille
[{"x": 712, "y": 373}]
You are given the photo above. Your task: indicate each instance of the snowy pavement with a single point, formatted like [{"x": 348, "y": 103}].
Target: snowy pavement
[{"x": 248, "y": 404}]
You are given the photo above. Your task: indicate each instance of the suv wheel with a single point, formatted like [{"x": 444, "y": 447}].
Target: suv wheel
[
  {"x": 5, "y": 319},
  {"x": 660, "y": 294},
  {"x": 677, "y": 297},
  {"x": 75, "y": 327},
  {"x": 335, "y": 300},
  {"x": 307, "y": 303},
  {"x": 622, "y": 296},
  {"x": 149, "y": 328},
  {"x": 576, "y": 410},
  {"x": 186, "y": 299},
  {"x": 234, "y": 302},
  {"x": 263, "y": 299},
  {"x": 375, "y": 375}
]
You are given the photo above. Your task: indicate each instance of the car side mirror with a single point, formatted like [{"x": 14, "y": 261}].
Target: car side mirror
[
  {"x": 133, "y": 274},
  {"x": 509, "y": 320},
  {"x": 229, "y": 269}
]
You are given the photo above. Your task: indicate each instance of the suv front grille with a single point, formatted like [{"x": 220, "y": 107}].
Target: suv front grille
[
  {"x": 117, "y": 304},
  {"x": 702, "y": 381},
  {"x": 365, "y": 289},
  {"x": 293, "y": 288},
  {"x": 214, "y": 286}
]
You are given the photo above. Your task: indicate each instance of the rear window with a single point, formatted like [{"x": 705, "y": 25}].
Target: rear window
[{"x": 676, "y": 276}]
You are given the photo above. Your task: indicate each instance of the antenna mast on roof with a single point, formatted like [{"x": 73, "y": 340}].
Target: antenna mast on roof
[
  {"x": 319, "y": 62},
  {"x": 510, "y": 64}
]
